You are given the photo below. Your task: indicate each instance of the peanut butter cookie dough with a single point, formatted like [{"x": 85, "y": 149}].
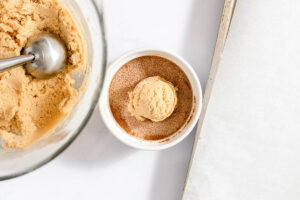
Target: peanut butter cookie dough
[
  {"x": 30, "y": 107},
  {"x": 153, "y": 98}
]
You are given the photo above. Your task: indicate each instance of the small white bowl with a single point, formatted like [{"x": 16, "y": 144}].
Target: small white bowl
[{"x": 135, "y": 142}]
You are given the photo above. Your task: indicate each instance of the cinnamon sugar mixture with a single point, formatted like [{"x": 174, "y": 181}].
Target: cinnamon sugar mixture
[{"x": 129, "y": 76}]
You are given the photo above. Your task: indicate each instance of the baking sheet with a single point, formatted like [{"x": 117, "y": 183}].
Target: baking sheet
[{"x": 249, "y": 142}]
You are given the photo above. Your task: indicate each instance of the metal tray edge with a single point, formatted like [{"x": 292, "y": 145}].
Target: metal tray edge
[{"x": 226, "y": 18}]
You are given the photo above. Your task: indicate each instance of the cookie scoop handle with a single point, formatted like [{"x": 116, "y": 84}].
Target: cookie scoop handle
[{"x": 6, "y": 64}]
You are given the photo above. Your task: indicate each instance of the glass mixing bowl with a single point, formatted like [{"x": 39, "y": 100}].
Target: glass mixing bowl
[{"x": 88, "y": 17}]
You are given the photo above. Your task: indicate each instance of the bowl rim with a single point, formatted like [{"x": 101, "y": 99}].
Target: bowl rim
[
  {"x": 118, "y": 131},
  {"x": 99, "y": 12}
]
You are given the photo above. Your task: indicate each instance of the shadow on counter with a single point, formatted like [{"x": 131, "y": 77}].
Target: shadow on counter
[{"x": 96, "y": 146}]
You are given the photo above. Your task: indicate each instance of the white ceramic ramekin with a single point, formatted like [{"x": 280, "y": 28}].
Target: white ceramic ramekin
[{"x": 130, "y": 140}]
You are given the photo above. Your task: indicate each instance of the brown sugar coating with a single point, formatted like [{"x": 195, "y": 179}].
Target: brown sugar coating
[{"x": 129, "y": 76}]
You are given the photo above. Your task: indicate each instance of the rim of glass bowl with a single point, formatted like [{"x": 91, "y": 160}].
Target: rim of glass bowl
[{"x": 89, "y": 114}]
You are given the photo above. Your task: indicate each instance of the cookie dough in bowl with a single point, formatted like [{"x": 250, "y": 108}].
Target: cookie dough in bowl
[
  {"x": 76, "y": 95},
  {"x": 30, "y": 107}
]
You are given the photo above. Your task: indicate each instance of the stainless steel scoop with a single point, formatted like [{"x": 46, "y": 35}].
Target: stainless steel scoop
[{"x": 44, "y": 56}]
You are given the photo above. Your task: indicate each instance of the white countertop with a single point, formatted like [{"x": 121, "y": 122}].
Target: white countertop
[{"x": 97, "y": 165}]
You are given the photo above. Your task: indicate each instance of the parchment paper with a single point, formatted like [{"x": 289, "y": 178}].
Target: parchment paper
[{"x": 249, "y": 144}]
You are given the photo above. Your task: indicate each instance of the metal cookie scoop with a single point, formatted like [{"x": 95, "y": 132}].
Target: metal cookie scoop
[{"x": 44, "y": 56}]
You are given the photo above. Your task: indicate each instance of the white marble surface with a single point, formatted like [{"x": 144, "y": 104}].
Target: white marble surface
[{"x": 98, "y": 166}]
